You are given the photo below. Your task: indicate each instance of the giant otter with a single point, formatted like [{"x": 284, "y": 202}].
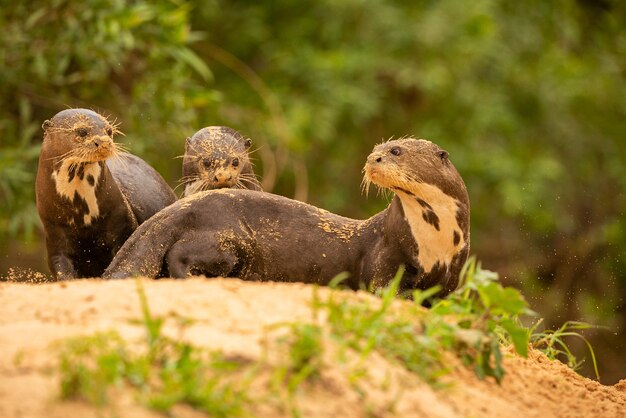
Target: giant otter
[
  {"x": 260, "y": 236},
  {"x": 90, "y": 196},
  {"x": 217, "y": 157}
]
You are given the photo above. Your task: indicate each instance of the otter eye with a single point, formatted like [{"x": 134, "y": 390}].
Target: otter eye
[
  {"x": 206, "y": 163},
  {"x": 396, "y": 151},
  {"x": 82, "y": 132},
  {"x": 110, "y": 132},
  {"x": 235, "y": 162},
  {"x": 443, "y": 154}
]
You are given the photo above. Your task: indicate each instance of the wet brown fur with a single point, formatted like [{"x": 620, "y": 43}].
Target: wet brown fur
[
  {"x": 261, "y": 236},
  {"x": 90, "y": 194}
]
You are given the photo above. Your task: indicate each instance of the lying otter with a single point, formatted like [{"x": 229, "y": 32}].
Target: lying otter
[
  {"x": 260, "y": 236},
  {"x": 217, "y": 157},
  {"x": 90, "y": 196}
]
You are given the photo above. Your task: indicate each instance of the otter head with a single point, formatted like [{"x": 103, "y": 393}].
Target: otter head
[
  {"x": 76, "y": 143},
  {"x": 408, "y": 164},
  {"x": 216, "y": 157},
  {"x": 79, "y": 136},
  {"x": 433, "y": 196}
]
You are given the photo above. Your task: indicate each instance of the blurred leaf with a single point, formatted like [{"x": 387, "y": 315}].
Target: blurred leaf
[
  {"x": 502, "y": 300},
  {"x": 519, "y": 336}
]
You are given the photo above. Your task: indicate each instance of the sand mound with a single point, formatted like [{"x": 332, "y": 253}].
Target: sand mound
[{"x": 230, "y": 315}]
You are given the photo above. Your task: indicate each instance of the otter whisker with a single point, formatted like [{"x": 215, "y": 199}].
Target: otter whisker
[
  {"x": 120, "y": 147},
  {"x": 190, "y": 182},
  {"x": 249, "y": 181},
  {"x": 365, "y": 185},
  {"x": 194, "y": 187},
  {"x": 248, "y": 176},
  {"x": 253, "y": 180},
  {"x": 62, "y": 156},
  {"x": 192, "y": 177},
  {"x": 120, "y": 158},
  {"x": 252, "y": 151},
  {"x": 206, "y": 185},
  {"x": 179, "y": 185}
]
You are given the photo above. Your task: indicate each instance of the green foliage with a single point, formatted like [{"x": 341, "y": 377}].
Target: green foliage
[
  {"x": 471, "y": 322},
  {"x": 498, "y": 308},
  {"x": 110, "y": 56}
]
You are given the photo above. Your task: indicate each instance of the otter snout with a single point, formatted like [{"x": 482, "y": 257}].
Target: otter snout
[
  {"x": 101, "y": 141},
  {"x": 102, "y": 146},
  {"x": 224, "y": 177},
  {"x": 372, "y": 165},
  {"x": 373, "y": 158}
]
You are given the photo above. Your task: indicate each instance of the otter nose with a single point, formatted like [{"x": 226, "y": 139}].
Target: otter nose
[
  {"x": 374, "y": 158},
  {"x": 101, "y": 142},
  {"x": 222, "y": 176}
]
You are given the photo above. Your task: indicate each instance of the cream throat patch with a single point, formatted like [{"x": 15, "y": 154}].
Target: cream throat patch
[
  {"x": 432, "y": 217},
  {"x": 72, "y": 179}
]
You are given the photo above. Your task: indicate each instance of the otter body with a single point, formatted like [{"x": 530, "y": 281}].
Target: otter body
[
  {"x": 259, "y": 236},
  {"x": 217, "y": 157},
  {"x": 90, "y": 205}
]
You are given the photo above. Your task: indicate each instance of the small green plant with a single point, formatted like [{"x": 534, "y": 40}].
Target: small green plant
[
  {"x": 552, "y": 343},
  {"x": 165, "y": 373},
  {"x": 482, "y": 314},
  {"x": 470, "y": 322},
  {"x": 473, "y": 322},
  {"x": 90, "y": 365},
  {"x": 305, "y": 353},
  {"x": 364, "y": 328},
  {"x": 301, "y": 349}
]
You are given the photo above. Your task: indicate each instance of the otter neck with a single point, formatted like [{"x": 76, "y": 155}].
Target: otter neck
[
  {"x": 89, "y": 188},
  {"x": 433, "y": 221}
]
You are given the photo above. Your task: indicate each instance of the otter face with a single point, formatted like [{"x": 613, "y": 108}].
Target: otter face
[
  {"x": 216, "y": 157},
  {"x": 79, "y": 136},
  {"x": 433, "y": 197},
  {"x": 406, "y": 164},
  {"x": 78, "y": 140}
]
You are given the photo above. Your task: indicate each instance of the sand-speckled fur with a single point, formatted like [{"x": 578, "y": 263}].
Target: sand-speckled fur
[
  {"x": 260, "y": 236},
  {"x": 217, "y": 157},
  {"x": 90, "y": 195}
]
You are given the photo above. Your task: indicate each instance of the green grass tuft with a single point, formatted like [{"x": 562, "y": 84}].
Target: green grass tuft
[
  {"x": 165, "y": 372},
  {"x": 552, "y": 343}
]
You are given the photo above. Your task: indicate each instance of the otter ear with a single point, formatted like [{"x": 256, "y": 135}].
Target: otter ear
[
  {"x": 247, "y": 142},
  {"x": 45, "y": 125}
]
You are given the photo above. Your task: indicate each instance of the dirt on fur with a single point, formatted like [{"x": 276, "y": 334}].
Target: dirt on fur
[{"x": 232, "y": 316}]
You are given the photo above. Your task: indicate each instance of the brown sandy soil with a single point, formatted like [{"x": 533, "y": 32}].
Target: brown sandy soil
[{"x": 231, "y": 315}]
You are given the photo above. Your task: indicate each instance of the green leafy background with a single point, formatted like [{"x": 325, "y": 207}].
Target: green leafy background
[{"x": 528, "y": 97}]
